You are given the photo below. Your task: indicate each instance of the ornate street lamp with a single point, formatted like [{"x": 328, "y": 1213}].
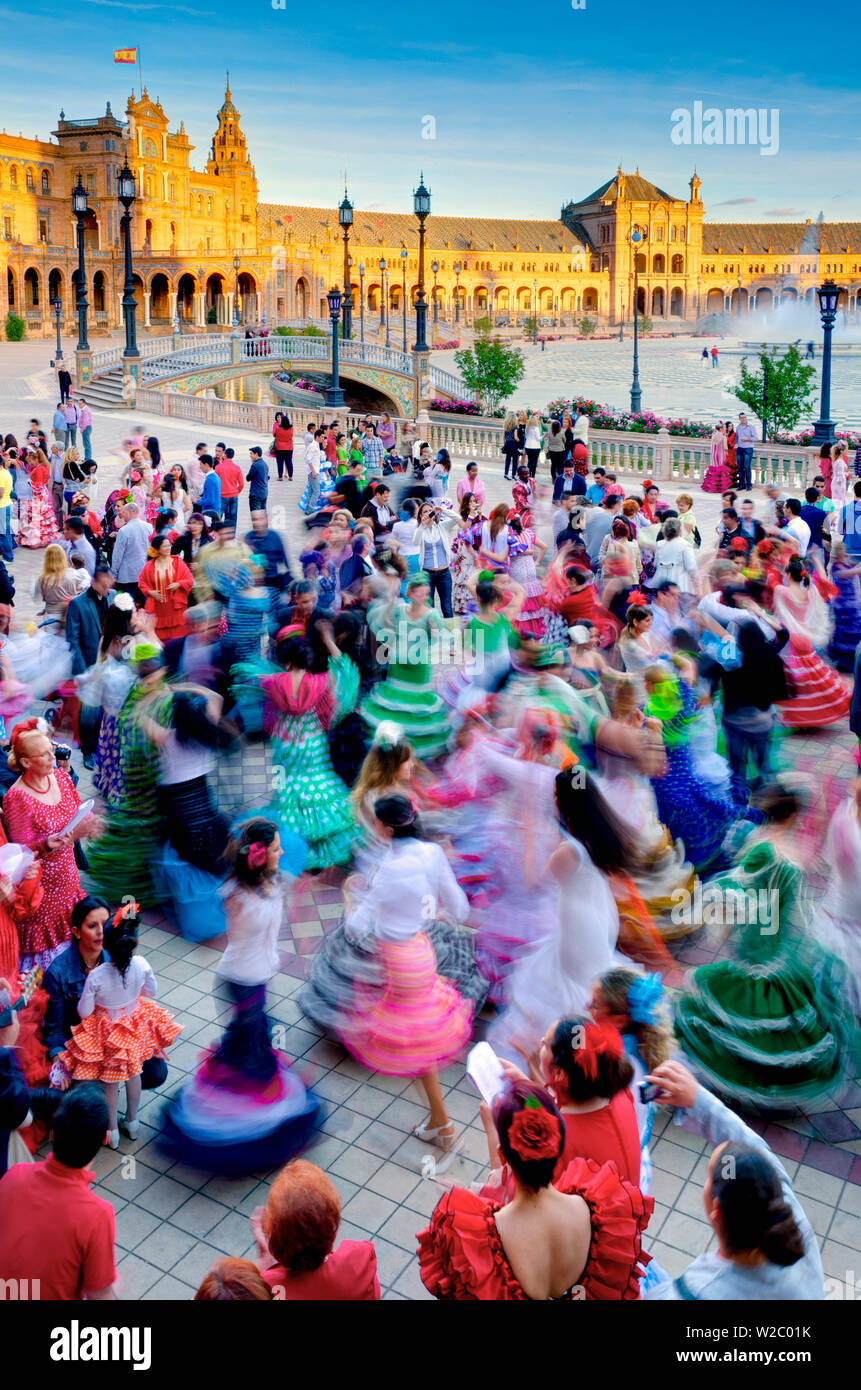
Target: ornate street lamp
[
  {"x": 345, "y": 218},
  {"x": 421, "y": 208},
  {"x": 385, "y": 309},
  {"x": 362, "y": 299},
  {"x": 636, "y": 393},
  {"x": 404, "y": 254},
  {"x": 534, "y": 312},
  {"x": 79, "y": 208},
  {"x": 58, "y": 309},
  {"x": 236, "y": 265},
  {"x": 334, "y": 396},
  {"x": 126, "y": 194},
  {"x": 435, "y": 268},
  {"x": 457, "y": 292},
  {"x": 828, "y": 295}
]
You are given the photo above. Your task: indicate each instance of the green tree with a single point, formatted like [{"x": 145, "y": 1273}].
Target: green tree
[
  {"x": 644, "y": 325},
  {"x": 16, "y": 328},
  {"x": 482, "y": 325},
  {"x": 780, "y": 392},
  {"x": 490, "y": 369},
  {"x": 587, "y": 327},
  {"x": 530, "y": 327}
]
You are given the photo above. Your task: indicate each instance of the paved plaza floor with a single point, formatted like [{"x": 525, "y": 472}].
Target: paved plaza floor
[{"x": 173, "y": 1221}]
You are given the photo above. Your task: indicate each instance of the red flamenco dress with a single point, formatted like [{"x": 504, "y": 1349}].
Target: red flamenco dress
[
  {"x": 820, "y": 696},
  {"x": 171, "y": 606},
  {"x": 44, "y": 932},
  {"x": 583, "y": 606},
  {"x": 31, "y": 1055},
  {"x": 462, "y": 1258}
]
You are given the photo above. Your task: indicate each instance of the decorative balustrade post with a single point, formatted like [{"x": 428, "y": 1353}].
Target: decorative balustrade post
[{"x": 663, "y": 455}]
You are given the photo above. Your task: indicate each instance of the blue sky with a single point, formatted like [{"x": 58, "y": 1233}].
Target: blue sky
[{"x": 531, "y": 104}]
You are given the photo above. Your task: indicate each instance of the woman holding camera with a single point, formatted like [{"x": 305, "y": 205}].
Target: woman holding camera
[{"x": 433, "y": 536}]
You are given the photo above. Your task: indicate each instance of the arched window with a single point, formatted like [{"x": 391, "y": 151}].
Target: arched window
[
  {"x": 28, "y": 178},
  {"x": 199, "y": 206},
  {"x": 678, "y": 265},
  {"x": 209, "y": 206},
  {"x": 149, "y": 149},
  {"x": 13, "y": 176},
  {"x": 681, "y": 233},
  {"x": 674, "y": 233},
  {"x": 46, "y": 182}
]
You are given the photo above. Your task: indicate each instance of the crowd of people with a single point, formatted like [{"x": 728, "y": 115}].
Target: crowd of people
[{"x": 529, "y": 741}]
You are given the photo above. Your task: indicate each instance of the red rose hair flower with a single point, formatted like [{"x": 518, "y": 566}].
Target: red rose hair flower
[
  {"x": 535, "y": 1134},
  {"x": 596, "y": 1040}
]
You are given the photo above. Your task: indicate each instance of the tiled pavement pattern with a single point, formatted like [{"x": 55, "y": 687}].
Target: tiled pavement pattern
[{"x": 172, "y": 1222}]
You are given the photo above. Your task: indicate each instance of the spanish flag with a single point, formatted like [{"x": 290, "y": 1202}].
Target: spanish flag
[{"x": 125, "y": 55}]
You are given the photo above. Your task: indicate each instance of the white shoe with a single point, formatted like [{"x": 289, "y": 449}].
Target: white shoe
[
  {"x": 131, "y": 1127},
  {"x": 113, "y": 1138}
]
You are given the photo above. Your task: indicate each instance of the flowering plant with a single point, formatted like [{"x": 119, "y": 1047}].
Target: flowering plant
[
  {"x": 455, "y": 407},
  {"x": 442, "y": 347}
]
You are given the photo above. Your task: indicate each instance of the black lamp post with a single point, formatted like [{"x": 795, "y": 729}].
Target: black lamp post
[
  {"x": 404, "y": 293},
  {"x": 421, "y": 208},
  {"x": 385, "y": 309},
  {"x": 345, "y": 218},
  {"x": 236, "y": 265},
  {"x": 126, "y": 194},
  {"x": 534, "y": 312},
  {"x": 58, "y": 309},
  {"x": 435, "y": 268},
  {"x": 636, "y": 393},
  {"x": 828, "y": 295},
  {"x": 79, "y": 208},
  {"x": 334, "y": 396},
  {"x": 362, "y": 300},
  {"x": 457, "y": 292}
]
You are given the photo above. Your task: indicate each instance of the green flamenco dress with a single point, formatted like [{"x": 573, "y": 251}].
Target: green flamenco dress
[
  {"x": 123, "y": 858},
  {"x": 771, "y": 1025},
  {"x": 406, "y": 695},
  {"x": 310, "y": 799}
]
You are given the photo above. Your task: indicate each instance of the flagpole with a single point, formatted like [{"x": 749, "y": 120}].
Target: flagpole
[{"x": 140, "y": 73}]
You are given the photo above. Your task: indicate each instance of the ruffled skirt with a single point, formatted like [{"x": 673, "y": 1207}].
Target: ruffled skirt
[{"x": 103, "y": 1049}]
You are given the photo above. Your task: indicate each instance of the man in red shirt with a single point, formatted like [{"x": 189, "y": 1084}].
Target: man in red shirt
[
  {"x": 55, "y": 1233},
  {"x": 232, "y": 483},
  {"x": 331, "y": 445}
]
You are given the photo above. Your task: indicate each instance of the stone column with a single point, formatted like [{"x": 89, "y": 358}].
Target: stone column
[
  {"x": 200, "y": 308},
  {"x": 147, "y": 297},
  {"x": 663, "y": 456},
  {"x": 82, "y": 368},
  {"x": 131, "y": 380}
]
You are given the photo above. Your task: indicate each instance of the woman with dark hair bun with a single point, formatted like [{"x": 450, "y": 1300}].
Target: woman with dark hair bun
[
  {"x": 766, "y": 1247},
  {"x": 578, "y": 1237},
  {"x": 121, "y": 1027}
]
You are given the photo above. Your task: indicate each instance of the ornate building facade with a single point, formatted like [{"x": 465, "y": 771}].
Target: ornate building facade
[{"x": 203, "y": 244}]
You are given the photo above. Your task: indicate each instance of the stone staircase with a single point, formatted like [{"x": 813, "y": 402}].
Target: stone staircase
[{"x": 106, "y": 392}]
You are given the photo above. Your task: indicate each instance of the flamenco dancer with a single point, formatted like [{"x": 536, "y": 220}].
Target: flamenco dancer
[
  {"x": 408, "y": 632},
  {"x": 821, "y": 697},
  {"x": 419, "y": 1023},
  {"x": 245, "y": 1109},
  {"x": 120, "y": 1028},
  {"x": 770, "y": 1025}
]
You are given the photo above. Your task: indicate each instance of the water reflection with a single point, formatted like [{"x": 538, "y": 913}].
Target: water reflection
[{"x": 253, "y": 387}]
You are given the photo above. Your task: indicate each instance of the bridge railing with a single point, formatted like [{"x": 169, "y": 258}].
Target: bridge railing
[{"x": 451, "y": 384}]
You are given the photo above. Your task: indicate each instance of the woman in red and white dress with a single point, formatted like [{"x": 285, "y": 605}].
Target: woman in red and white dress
[
  {"x": 576, "y": 1238},
  {"x": 36, "y": 809},
  {"x": 821, "y": 695},
  {"x": 37, "y": 523}
]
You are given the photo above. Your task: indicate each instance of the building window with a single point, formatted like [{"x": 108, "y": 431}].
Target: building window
[
  {"x": 7, "y": 228},
  {"x": 91, "y": 183},
  {"x": 280, "y": 279},
  {"x": 208, "y": 245},
  {"x": 209, "y": 206},
  {"x": 28, "y": 177},
  {"x": 199, "y": 206},
  {"x": 13, "y": 177},
  {"x": 172, "y": 192},
  {"x": 659, "y": 234},
  {"x": 674, "y": 233},
  {"x": 43, "y": 230},
  {"x": 46, "y": 182}
]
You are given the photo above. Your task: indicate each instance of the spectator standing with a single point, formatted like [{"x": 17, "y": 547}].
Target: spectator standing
[
  {"x": 76, "y": 543},
  {"x": 71, "y": 415},
  {"x": 54, "y": 1231},
  {"x": 745, "y": 441},
  {"x": 85, "y": 420},
  {"x": 373, "y": 452},
  {"x": 473, "y": 485},
  {"x": 209, "y": 501},
  {"x": 56, "y": 466},
  {"x": 282, "y": 432},
  {"x": 7, "y": 544},
  {"x": 313, "y": 464},
  {"x": 258, "y": 481},
  {"x": 64, "y": 380},
  {"x": 58, "y": 425},
  {"x": 232, "y": 483}
]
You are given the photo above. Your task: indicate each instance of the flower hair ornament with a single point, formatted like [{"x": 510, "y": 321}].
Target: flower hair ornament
[
  {"x": 535, "y": 1134},
  {"x": 127, "y": 911},
  {"x": 388, "y": 735},
  {"x": 124, "y": 603},
  {"x": 637, "y": 596},
  {"x": 256, "y": 854},
  {"x": 644, "y": 998},
  {"x": 596, "y": 1040},
  {"x": 28, "y": 726}
]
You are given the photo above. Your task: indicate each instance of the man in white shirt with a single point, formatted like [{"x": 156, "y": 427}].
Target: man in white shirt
[
  {"x": 797, "y": 526},
  {"x": 745, "y": 442},
  {"x": 313, "y": 464},
  {"x": 130, "y": 550}
]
